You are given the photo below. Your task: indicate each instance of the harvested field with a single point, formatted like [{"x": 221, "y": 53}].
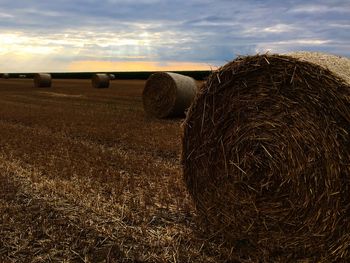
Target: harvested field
[{"x": 86, "y": 176}]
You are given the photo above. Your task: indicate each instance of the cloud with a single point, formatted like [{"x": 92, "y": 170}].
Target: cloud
[
  {"x": 321, "y": 8},
  {"x": 292, "y": 45},
  {"x": 182, "y": 31},
  {"x": 279, "y": 28}
]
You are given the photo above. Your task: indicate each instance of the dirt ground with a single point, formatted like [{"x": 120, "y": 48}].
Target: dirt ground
[{"x": 85, "y": 176}]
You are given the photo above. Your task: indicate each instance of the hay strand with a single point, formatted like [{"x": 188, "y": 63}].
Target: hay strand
[
  {"x": 168, "y": 94},
  {"x": 100, "y": 81},
  {"x": 266, "y": 153},
  {"x": 42, "y": 80}
]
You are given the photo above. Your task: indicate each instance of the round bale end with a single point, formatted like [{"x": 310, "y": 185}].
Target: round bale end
[{"x": 266, "y": 153}]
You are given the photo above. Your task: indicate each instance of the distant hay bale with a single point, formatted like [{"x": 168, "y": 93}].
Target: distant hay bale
[
  {"x": 100, "y": 81},
  {"x": 42, "y": 80},
  {"x": 22, "y": 76},
  {"x": 266, "y": 154},
  {"x": 5, "y": 75},
  {"x": 111, "y": 76},
  {"x": 337, "y": 64},
  {"x": 168, "y": 94}
]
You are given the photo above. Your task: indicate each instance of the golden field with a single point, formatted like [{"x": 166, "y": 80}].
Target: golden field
[{"x": 86, "y": 176}]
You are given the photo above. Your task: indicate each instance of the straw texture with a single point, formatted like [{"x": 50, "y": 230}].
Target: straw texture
[
  {"x": 168, "y": 94},
  {"x": 266, "y": 154}
]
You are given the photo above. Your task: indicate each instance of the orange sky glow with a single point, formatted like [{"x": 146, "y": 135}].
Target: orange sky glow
[{"x": 82, "y": 66}]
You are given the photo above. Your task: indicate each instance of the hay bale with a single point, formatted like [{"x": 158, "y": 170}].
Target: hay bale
[
  {"x": 337, "y": 64},
  {"x": 100, "y": 81},
  {"x": 266, "y": 154},
  {"x": 42, "y": 80},
  {"x": 5, "y": 76},
  {"x": 168, "y": 94}
]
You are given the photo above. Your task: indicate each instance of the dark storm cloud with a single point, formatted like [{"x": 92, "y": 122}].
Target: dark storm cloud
[{"x": 179, "y": 30}]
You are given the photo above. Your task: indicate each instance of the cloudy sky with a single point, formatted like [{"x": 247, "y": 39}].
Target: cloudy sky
[{"x": 122, "y": 35}]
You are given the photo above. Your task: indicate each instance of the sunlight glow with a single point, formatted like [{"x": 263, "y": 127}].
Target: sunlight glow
[
  {"x": 82, "y": 66},
  {"x": 90, "y": 51}
]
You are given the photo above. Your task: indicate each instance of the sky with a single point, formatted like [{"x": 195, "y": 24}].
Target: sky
[{"x": 130, "y": 35}]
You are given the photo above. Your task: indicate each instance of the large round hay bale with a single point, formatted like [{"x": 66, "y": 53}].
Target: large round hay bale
[
  {"x": 100, "y": 81},
  {"x": 5, "y": 75},
  {"x": 168, "y": 94},
  {"x": 266, "y": 157},
  {"x": 42, "y": 80}
]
